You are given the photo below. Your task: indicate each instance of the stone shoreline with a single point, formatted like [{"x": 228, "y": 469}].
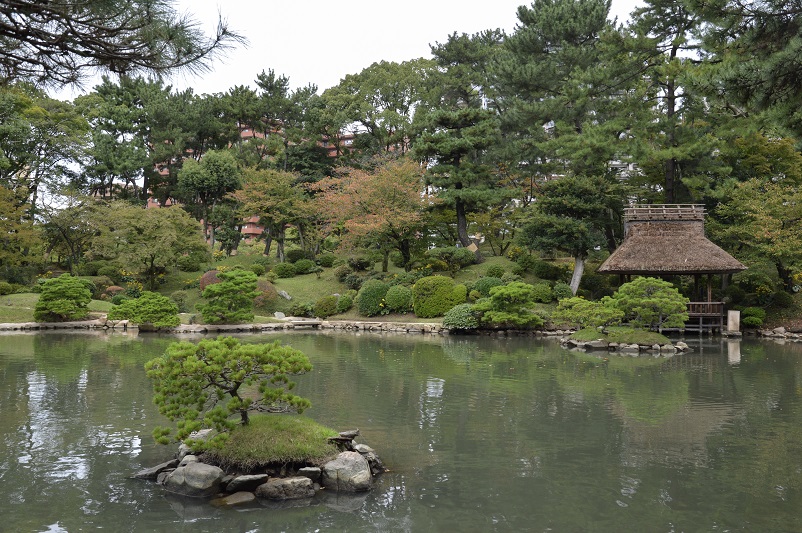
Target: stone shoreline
[{"x": 290, "y": 323}]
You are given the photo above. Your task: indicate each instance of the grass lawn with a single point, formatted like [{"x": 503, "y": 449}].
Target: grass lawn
[
  {"x": 621, "y": 335},
  {"x": 276, "y": 439}
]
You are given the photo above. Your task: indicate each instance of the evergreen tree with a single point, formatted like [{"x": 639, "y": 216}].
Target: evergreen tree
[{"x": 457, "y": 128}]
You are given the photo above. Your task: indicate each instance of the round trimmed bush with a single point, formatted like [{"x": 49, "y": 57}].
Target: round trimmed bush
[
  {"x": 110, "y": 271},
  {"x": 326, "y": 260},
  {"x": 284, "y": 270},
  {"x": 432, "y": 296},
  {"x": 483, "y": 285},
  {"x": 342, "y": 272},
  {"x": 181, "y": 299},
  {"x": 257, "y": 269},
  {"x": 461, "y": 318},
  {"x": 369, "y": 300},
  {"x": 267, "y": 294},
  {"x": 344, "y": 303},
  {"x": 542, "y": 293},
  {"x": 6, "y": 288},
  {"x": 398, "y": 299},
  {"x": 562, "y": 290},
  {"x": 209, "y": 278},
  {"x": 296, "y": 254},
  {"x": 326, "y": 306},
  {"x": 782, "y": 300},
  {"x": 494, "y": 271},
  {"x": 304, "y": 266}
]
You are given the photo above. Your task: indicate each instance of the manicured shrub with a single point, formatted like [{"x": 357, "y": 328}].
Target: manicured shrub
[
  {"x": 110, "y": 271},
  {"x": 6, "y": 288},
  {"x": 344, "y": 303},
  {"x": 483, "y": 285},
  {"x": 580, "y": 313},
  {"x": 461, "y": 317},
  {"x": 782, "y": 300},
  {"x": 284, "y": 270},
  {"x": 341, "y": 272},
  {"x": 181, "y": 299},
  {"x": 454, "y": 258},
  {"x": 542, "y": 293},
  {"x": 494, "y": 271},
  {"x": 257, "y": 269},
  {"x": 359, "y": 264},
  {"x": 509, "y": 306},
  {"x": 751, "y": 322},
  {"x": 231, "y": 300},
  {"x": 119, "y": 298},
  {"x": 562, "y": 290},
  {"x": 432, "y": 296},
  {"x": 267, "y": 294},
  {"x": 354, "y": 281},
  {"x": 151, "y": 309},
  {"x": 302, "y": 309},
  {"x": 527, "y": 263},
  {"x": 369, "y": 300},
  {"x": 295, "y": 255},
  {"x": 191, "y": 262},
  {"x": 398, "y": 299},
  {"x": 208, "y": 278},
  {"x": 407, "y": 278},
  {"x": 509, "y": 277},
  {"x": 652, "y": 303},
  {"x": 326, "y": 306},
  {"x": 91, "y": 268},
  {"x": 753, "y": 317},
  {"x": 304, "y": 266},
  {"x": 549, "y": 271},
  {"x": 326, "y": 260},
  {"x": 62, "y": 298}
]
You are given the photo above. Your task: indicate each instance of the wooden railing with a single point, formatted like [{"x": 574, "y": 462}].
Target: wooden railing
[
  {"x": 705, "y": 309},
  {"x": 664, "y": 212}
]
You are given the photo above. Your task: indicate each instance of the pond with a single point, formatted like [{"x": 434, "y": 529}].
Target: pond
[{"x": 480, "y": 434}]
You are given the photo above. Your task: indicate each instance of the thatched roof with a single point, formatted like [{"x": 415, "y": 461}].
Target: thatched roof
[{"x": 668, "y": 240}]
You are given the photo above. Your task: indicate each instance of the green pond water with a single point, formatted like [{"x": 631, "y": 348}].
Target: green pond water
[{"x": 480, "y": 434}]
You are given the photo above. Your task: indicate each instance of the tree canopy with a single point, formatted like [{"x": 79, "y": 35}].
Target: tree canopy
[{"x": 60, "y": 42}]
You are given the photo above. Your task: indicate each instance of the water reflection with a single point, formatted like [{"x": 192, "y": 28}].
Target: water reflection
[{"x": 480, "y": 434}]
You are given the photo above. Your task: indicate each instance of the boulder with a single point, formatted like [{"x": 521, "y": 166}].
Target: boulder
[
  {"x": 681, "y": 346},
  {"x": 153, "y": 472},
  {"x": 312, "y": 472},
  {"x": 349, "y": 472},
  {"x": 238, "y": 498},
  {"x": 197, "y": 480},
  {"x": 249, "y": 482},
  {"x": 287, "y": 488},
  {"x": 188, "y": 458},
  {"x": 598, "y": 344}
]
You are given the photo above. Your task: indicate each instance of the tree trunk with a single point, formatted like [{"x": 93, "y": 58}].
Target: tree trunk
[
  {"x": 462, "y": 223},
  {"x": 576, "y": 277},
  {"x": 268, "y": 240},
  {"x": 280, "y": 243},
  {"x": 385, "y": 260}
]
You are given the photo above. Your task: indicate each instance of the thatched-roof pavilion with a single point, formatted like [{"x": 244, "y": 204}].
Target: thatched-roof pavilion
[
  {"x": 668, "y": 240},
  {"x": 664, "y": 240}
]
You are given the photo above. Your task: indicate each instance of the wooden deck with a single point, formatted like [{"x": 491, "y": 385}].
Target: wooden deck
[{"x": 703, "y": 317}]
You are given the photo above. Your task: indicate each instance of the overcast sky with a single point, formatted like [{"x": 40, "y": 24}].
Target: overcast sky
[{"x": 312, "y": 41}]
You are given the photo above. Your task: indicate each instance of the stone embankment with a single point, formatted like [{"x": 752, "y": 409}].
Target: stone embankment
[
  {"x": 634, "y": 349},
  {"x": 351, "y": 471}
]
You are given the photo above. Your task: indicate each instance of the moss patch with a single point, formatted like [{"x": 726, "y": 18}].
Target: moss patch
[
  {"x": 621, "y": 335},
  {"x": 275, "y": 439}
]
